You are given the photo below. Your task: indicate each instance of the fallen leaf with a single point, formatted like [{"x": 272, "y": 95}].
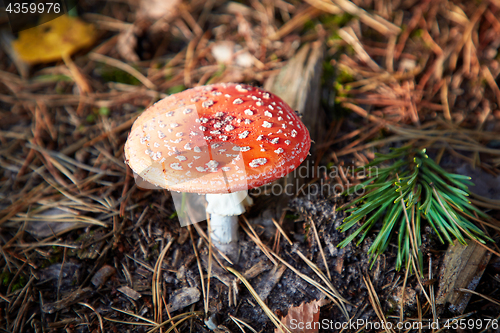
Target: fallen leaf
[
  {"x": 53, "y": 40},
  {"x": 183, "y": 297},
  {"x": 303, "y": 318}
]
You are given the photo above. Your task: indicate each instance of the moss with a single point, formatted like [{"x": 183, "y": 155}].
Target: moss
[
  {"x": 5, "y": 278},
  {"x": 336, "y": 21},
  {"x": 112, "y": 74},
  {"x": 53, "y": 78},
  {"x": 90, "y": 118},
  {"x": 309, "y": 25},
  {"x": 104, "y": 111},
  {"x": 344, "y": 77},
  {"x": 217, "y": 74},
  {"x": 21, "y": 282},
  {"x": 176, "y": 89}
]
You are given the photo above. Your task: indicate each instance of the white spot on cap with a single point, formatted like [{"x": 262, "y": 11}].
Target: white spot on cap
[
  {"x": 157, "y": 156},
  {"x": 219, "y": 114},
  {"x": 174, "y": 125},
  {"x": 237, "y": 148},
  {"x": 270, "y": 107},
  {"x": 265, "y": 95},
  {"x": 193, "y": 133},
  {"x": 245, "y": 148},
  {"x": 260, "y": 138},
  {"x": 215, "y": 132},
  {"x": 203, "y": 120},
  {"x": 218, "y": 124},
  {"x": 169, "y": 114},
  {"x": 268, "y": 114},
  {"x": 202, "y": 128},
  {"x": 156, "y": 145},
  {"x": 187, "y": 110},
  {"x": 176, "y": 166},
  {"x": 238, "y": 101},
  {"x": 196, "y": 157},
  {"x": 197, "y": 149},
  {"x": 207, "y": 103},
  {"x": 223, "y": 137},
  {"x": 229, "y": 128},
  {"x": 259, "y": 103},
  {"x": 266, "y": 124},
  {"x": 294, "y": 133},
  {"x": 257, "y": 162},
  {"x": 287, "y": 142},
  {"x": 187, "y": 146},
  {"x": 248, "y": 112},
  {"x": 279, "y": 151},
  {"x": 280, "y": 118},
  {"x": 212, "y": 164},
  {"x": 181, "y": 158},
  {"x": 275, "y": 140},
  {"x": 216, "y": 93},
  {"x": 243, "y": 135},
  {"x": 240, "y": 88},
  {"x": 178, "y": 134},
  {"x": 176, "y": 140},
  {"x": 247, "y": 121},
  {"x": 207, "y": 137},
  {"x": 226, "y": 168},
  {"x": 215, "y": 145},
  {"x": 201, "y": 169}
]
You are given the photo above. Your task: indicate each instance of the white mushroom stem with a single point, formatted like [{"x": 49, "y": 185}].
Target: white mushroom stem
[{"x": 224, "y": 210}]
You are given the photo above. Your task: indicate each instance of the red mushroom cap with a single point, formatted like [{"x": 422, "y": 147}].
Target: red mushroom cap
[{"x": 220, "y": 138}]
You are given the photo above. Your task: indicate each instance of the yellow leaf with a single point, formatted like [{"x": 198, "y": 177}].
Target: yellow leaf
[{"x": 51, "y": 41}]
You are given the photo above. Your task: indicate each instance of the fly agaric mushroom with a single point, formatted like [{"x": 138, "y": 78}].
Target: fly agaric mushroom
[{"x": 219, "y": 140}]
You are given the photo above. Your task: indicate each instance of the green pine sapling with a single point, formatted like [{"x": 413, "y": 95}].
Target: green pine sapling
[{"x": 413, "y": 188}]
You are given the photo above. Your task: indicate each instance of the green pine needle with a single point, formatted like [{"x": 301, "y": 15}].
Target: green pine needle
[{"x": 418, "y": 185}]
